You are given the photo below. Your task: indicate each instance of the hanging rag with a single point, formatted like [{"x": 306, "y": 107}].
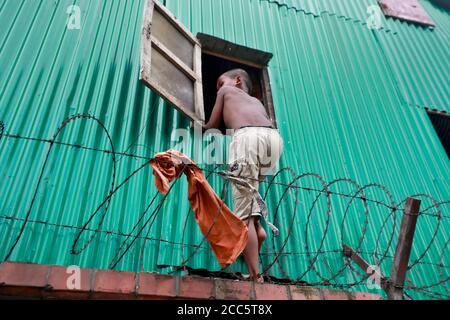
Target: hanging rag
[{"x": 226, "y": 233}]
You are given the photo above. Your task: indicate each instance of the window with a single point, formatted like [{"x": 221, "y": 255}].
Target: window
[
  {"x": 441, "y": 123},
  {"x": 183, "y": 69},
  {"x": 443, "y": 3},
  {"x": 219, "y": 56},
  {"x": 408, "y": 10}
]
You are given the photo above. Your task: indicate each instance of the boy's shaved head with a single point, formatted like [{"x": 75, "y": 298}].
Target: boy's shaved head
[{"x": 243, "y": 75}]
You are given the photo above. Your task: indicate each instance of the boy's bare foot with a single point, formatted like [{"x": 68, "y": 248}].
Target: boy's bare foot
[{"x": 259, "y": 279}]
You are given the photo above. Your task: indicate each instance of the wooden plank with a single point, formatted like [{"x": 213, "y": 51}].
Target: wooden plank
[
  {"x": 408, "y": 10},
  {"x": 234, "y": 52},
  {"x": 267, "y": 96},
  {"x": 349, "y": 252},
  {"x": 173, "y": 58},
  {"x": 146, "y": 46},
  {"x": 403, "y": 250},
  {"x": 164, "y": 31},
  {"x": 233, "y": 59},
  {"x": 173, "y": 20},
  {"x": 172, "y": 100},
  {"x": 149, "y": 42},
  {"x": 198, "y": 86}
]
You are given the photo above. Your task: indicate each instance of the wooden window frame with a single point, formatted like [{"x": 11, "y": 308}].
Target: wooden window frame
[
  {"x": 265, "y": 82},
  {"x": 230, "y": 51},
  {"x": 149, "y": 42},
  {"x": 254, "y": 58}
]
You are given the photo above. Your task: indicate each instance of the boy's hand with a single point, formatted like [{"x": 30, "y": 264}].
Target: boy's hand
[
  {"x": 204, "y": 127},
  {"x": 198, "y": 124},
  {"x": 216, "y": 116}
]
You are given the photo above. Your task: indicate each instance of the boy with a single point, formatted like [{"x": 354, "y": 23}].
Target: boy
[{"x": 254, "y": 151}]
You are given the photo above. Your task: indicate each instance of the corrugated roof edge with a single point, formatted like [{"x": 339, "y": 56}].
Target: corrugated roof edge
[
  {"x": 322, "y": 13},
  {"x": 328, "y": 13}
]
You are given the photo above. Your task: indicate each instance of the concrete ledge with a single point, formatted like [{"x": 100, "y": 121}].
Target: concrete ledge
[{"x": 34, "y": 281}]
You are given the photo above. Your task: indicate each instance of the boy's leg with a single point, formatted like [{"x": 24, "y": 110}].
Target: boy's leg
[
  {"x": 251, "y": 252},
  {"x": 269, "y": 153},
  {"x": 244, "y": 208},
  {"x": 243, "y": 161},
  {"x": 261, "y": 233}
]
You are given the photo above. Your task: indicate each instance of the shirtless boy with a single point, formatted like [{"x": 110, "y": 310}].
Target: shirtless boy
[{"x": 254, "y": 151}]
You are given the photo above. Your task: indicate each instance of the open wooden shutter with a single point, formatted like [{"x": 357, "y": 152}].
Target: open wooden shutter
[{"x": 171, "y": 61}]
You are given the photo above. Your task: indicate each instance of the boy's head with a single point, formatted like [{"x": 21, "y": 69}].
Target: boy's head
[{"x": 238, "y": 78}]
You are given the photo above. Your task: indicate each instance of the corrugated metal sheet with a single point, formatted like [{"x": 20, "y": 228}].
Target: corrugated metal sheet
[
  {"x": 421, "y": 73},
  {"x": 345, "y": 98}
]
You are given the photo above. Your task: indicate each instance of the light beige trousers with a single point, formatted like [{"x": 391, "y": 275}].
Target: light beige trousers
[{"x": 253, "y": 154}]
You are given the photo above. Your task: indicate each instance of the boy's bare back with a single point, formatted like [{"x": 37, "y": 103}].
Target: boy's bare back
[
  {"x": 241, "y": 110},
  {"x": 238, "y": 109}
]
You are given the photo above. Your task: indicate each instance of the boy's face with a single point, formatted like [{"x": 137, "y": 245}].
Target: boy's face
[{"x": 227, "y": 81}]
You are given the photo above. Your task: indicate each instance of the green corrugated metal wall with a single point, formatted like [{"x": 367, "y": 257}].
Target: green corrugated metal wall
[{"x": 349, "y": 101}]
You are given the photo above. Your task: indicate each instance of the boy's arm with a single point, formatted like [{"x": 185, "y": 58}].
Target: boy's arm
[{"x": 216, "y": 116}]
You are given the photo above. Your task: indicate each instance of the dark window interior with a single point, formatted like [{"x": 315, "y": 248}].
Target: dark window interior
[
  {"x": 441, "y": 123},
  {"x": 213, "y": 68},
  {"x": 443, "y": 3}
]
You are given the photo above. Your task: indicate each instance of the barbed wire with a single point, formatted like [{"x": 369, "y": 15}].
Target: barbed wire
[
  {"x": 2, "y": 129},
  {"x": 181, "y": 244},
  {"x": 206, "y": 170},
  {"x": 316, "y": 258}
]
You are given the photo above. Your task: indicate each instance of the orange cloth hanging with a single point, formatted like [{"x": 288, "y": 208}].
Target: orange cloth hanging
[{"x": 226, "y": 233}]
